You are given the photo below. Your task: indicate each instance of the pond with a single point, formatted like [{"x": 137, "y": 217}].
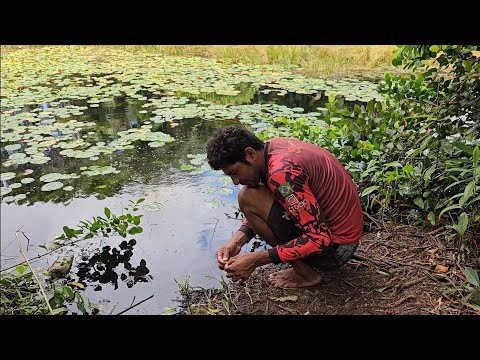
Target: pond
[{"x": 82, "y": 131}]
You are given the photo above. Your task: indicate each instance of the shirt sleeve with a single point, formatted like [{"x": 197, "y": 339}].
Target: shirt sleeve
[
  {"x": 290, "y": 188},
  {"x": 247, "y": 229}
]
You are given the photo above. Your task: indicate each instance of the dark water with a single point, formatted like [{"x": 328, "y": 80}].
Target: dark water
[{"x": 180, "y": 239}]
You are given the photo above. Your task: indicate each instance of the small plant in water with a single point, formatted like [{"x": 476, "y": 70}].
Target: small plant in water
[{"x": 105, "y": 226}]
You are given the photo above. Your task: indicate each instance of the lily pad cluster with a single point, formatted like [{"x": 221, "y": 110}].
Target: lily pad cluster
[{"x": 52, "y": 97}]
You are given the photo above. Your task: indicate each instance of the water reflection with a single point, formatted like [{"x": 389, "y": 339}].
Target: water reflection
[{"x": 103, "y": 267}]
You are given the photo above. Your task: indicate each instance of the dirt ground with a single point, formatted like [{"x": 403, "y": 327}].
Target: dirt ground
[{"x": 397, "y": 269}]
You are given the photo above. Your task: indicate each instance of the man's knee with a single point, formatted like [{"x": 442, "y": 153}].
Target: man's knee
[
  {"x": 245, "y": 198},
  {"x": 252, "y": 198}
]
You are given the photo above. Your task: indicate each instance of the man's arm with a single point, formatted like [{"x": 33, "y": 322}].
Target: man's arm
[
  {"x": 247, "y": 230},
  {"x": 291, "y": 189}
]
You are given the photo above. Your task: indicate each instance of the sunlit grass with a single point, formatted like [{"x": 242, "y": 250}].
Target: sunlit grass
[{"x": 332, "y": 61}]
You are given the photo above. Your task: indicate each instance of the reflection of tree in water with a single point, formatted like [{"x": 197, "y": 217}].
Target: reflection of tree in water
[{"x": 101, "y": 267}]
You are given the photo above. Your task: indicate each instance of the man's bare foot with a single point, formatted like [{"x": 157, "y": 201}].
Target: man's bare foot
[{"x": 290, "y": 279}]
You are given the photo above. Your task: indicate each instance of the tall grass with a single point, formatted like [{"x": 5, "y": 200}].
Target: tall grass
[{"x": 331, "y": 61}]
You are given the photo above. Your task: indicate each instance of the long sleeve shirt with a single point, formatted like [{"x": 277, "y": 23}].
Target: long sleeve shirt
[{"x": 316, "y": 191}]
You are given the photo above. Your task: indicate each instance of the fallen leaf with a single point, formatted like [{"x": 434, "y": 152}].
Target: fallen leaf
[
  {"x": 77, "y": 284},
  {"x": 441, "y": 268},
  {"x": 285, "y": 298},
  {"x": 213, "y": 311}
]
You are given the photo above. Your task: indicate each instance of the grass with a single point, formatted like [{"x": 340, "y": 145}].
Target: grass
[{"x": 332, "y": 61}]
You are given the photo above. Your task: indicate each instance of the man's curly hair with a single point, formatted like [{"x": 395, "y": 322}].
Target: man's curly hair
[{"x": 228, "y": 146}]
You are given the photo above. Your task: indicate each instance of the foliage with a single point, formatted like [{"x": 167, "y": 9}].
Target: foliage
[
  {"x": 414, "y": 165},
  {"x": 105, "y": 226},
  {"x": 20, "y": 294}
]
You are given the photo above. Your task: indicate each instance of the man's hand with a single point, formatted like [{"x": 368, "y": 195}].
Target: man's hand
[
  {"x": 231, "y": 248},
  {"x": 239, "y": 268},
  {"x": 226, "y": 252}
]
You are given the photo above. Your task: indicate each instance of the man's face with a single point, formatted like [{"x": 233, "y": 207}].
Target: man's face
[{"x": 244, "y": 174}]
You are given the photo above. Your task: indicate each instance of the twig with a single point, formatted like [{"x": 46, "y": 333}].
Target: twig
[
  {"x": 375, "y": 221},
  {"x": 35, "y": 275},
  {"x": 410, "y": 283},
  {"x": 246, "y": 290},
  {"x": 401, "y": 301},
  {"x": 291, "y": 311},
  {"x": 28, "y": 240},
  {"x": 215, "y": 228},
  {"x": 131, "y": 307}
]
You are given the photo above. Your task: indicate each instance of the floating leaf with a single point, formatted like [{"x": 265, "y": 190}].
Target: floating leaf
[
  {"x": 52, "y": 186},
  {"x": 7, "y": 176},
  {"x": 27, "y": 180},
  {"x": 212, "y": 203},
  {"x": 4, "y": 190},
  {"x": 186, "y": 167},
  {"x": 152, "y": 207},
  {"x": 226, "y": 191}
]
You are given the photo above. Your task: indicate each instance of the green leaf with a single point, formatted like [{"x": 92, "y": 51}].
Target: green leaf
[
  {"x": 59, "y": 310},
  {"x": 464, "y": 147},
  {"x": 472, "y": 276},
  {"x": 140, "y": 200},
  {"x": 369, "y": 190},
  {"x": 69, "y": 232},
  {"x": 419, "y": 202},
  {"x": 21, "y": 269},
  {"x": 434, "y": 48},
  {"x": 462, "y": 223},
  {"x": 476, "y": 156},
  {"x": 448, "y": 208},
  {"x": 469, "y": 189},
  {"x": 95, "y": 226},
  {"x": 67, "y": 290},
  {"x": 431, "y": 217},
  {"x": 107, "y": 212}
]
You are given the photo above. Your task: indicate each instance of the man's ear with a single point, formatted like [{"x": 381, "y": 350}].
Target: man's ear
[{"x": 250, "y": 155}]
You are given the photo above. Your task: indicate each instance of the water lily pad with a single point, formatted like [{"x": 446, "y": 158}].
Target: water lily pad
[
  {"x": 52, "y": 186},
  {"x": 226, "y": 191},
  {"x": 68, "y": 188},
  {"x": 7, "y": 176},
  {"x": 186, "y": 167},
  {"x": 12, "y": 147},
  {"x": 152, "y": 206},
  {"x": 209, "y": 189},
  {"x": 27, "y": 180},
  {"x": 19, "y": 197},
  {"x": 4, "y": 190},
  {"x": 212, "y": 203}
]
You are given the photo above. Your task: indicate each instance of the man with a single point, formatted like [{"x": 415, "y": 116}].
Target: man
[{"x": 297, "y": 197}]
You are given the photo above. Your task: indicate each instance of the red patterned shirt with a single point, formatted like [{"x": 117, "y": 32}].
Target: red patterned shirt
[{"x": 317, "y": 192}]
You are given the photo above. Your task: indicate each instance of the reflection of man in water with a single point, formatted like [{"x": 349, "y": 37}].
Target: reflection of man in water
[
  {"x": 100, "y": 267},
  {"x": 297, "y": 196}
]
